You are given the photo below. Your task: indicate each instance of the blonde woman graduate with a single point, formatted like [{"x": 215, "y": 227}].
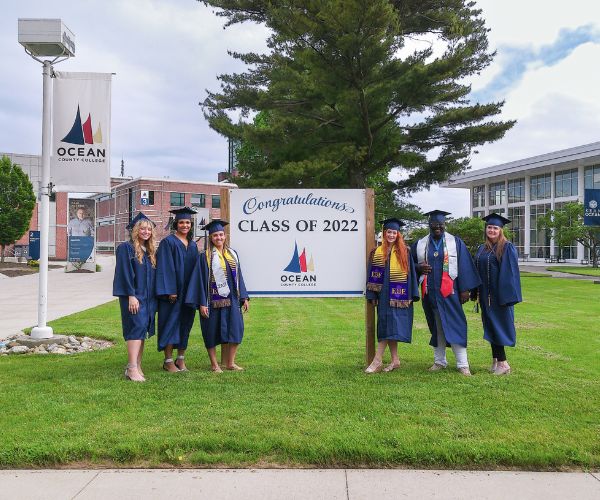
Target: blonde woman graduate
[
  {"x": 134, "y": 284},
  {"x": 392, "y": 286},
  {"x": 217, "y": 289},
  {"x": 498, "y": 265},
  {"x": 177, "y": 255}
]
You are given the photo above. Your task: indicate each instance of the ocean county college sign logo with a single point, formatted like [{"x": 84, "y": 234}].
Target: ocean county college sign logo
[
  {"x": 301, "y": 271},
  {"x": 81, "y": 135}
]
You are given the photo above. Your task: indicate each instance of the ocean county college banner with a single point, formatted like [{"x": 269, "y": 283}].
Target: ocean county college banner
[
  {"x": 591, "y": 207},
  {"x": 81, "y": 132},
  {"x": 300, "y": 242}
]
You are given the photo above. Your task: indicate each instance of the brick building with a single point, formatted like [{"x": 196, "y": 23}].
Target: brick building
[{"x": 114, "y": 210}]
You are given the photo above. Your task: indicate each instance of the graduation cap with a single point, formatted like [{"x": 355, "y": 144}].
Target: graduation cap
[
  {"x": 215, "y": 225},
  {"x": 392, "y": 223},
  {"x": 183, "y": 213},
  {"x": 495, "y": 220},
  {"x": 437, "y": 215},
  {"x": 139, "y": 217}
]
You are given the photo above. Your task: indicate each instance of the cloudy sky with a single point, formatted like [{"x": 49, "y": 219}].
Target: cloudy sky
[{"x": 166, "y": 53}]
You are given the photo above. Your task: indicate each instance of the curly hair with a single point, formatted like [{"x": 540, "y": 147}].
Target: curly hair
[{"x": 150, "y": 244}]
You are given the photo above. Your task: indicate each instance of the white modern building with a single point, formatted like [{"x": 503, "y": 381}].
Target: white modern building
[{"x": 524, "y": 190}]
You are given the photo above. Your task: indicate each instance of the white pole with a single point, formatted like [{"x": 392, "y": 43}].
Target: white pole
[{"x": 41, "y": 331}]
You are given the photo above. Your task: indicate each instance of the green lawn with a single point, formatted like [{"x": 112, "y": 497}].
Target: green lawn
[
  {"x": 585, "y": 271},
  {"x": 304, "y": 401}
]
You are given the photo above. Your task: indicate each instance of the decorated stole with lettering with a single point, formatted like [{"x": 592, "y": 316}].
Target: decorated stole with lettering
[
  {"x": 398, "y": 287},
  {"x": 219, "y": 288},
  {"x": 449, "y": 265}
]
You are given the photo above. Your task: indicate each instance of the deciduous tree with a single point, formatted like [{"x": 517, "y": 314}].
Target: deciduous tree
[{"x": 17, "y": 202}]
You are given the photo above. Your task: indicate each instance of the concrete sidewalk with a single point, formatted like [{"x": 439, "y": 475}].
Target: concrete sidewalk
[
  {"x": 68, "y": 293},
  {"x": 267, "y": 484}
]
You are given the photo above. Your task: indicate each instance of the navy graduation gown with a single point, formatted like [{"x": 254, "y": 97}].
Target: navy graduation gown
[
  {"x": 454, "y": 322},
  {"x": 224, "y": 325},
  {"x": 394, "y": 323},
  {"x": 174, "y": 266},
  {"x": 499, "y": 291},
  {"x": 138, "y": 280}
]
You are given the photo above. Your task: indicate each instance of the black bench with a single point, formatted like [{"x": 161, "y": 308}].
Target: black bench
[{"x": 524, "y": 257}]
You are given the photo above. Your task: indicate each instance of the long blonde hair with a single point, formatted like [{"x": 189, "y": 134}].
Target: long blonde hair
[
  {"x": 499, "y": 244},
  {"x": 150, "y": 244},
  {"x": 401, "y": 250}
]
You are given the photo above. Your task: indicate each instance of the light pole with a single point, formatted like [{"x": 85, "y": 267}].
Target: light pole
[{"x": 45, "y": 38}]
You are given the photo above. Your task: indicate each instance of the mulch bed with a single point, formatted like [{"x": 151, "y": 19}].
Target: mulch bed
[{"x": 12, "y": 269}]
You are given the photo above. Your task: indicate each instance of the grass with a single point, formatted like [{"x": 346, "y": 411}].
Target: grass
[
  {"x": 304, "y": 401},
  {"x": 584, "y": 271}
]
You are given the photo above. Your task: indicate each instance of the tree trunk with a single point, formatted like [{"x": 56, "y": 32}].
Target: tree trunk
[{"x": 2, "y": 258}]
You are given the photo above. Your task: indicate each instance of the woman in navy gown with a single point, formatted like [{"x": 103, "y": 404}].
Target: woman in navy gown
[
  {"x": 500, "y": 290},
  {"x": 134, "y": 285},
  {"x": 219, "y": 292},
  {"x": 392, "y": 286},
  {"x": 177, "y": 255}
]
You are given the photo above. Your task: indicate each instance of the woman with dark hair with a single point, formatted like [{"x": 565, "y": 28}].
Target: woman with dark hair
[
  {"x": 392, "y": 286},
  {"x": 500, "y": 289},
  {"x": 219, "y": 292},
  {"x": 134, "y": 285},
  {"x": 177, "y": 255}
]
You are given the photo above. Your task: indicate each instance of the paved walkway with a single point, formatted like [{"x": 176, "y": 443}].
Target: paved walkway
[
  {"x": 540, "y": 267},
  {"x": 68, "y": 293},
  {"x": 289, "y": 484}
]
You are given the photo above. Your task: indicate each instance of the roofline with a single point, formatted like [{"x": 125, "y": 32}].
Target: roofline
[
  {"x": 180, "y": 181},
  {"x": 560, "y": 157}
]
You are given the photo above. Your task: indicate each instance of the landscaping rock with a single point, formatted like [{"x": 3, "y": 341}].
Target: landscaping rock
[
  {"x": 18, "y": 349},
  {"x": 59, "y": 344}
]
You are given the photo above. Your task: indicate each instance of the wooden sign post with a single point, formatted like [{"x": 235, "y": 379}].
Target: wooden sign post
[{"x": 370, "y": 245}]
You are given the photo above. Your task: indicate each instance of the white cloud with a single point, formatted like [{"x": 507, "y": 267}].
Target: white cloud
[{"x": 534, "y": 22}]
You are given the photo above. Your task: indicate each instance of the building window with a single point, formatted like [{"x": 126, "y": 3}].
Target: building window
[
  {"x": 150, "y": 197},
  {"x": 216, "y": 201},
  {"x": 478, "y": 196},
  {"x": 569, "y": 251},
  {"x": 565, "y": 183},
  {"x": 198, "y": 200},
  {"x": 517, "y": 228},
  {"x": 541, "y": 186},
  {"x": 478, "y": 213},
  {"x": 592, "y": 177},
  {"x": 516, "y": 190},
  {"x": 177, "y": 199},
  {"x": 539, "y": 241},
  {"x": 497, "y": 194}
]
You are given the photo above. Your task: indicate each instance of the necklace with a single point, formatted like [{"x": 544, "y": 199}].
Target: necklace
[{"x": 437, "y": 245}]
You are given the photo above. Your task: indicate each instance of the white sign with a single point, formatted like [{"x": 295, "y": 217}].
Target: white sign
[
  {"x": 144, "y": 197},
  {"x": 81, "y": 131},
  {"x": 300, "y": 242}
]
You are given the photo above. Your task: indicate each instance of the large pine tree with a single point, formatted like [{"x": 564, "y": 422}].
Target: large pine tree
[{"x": 350, "y": 89}]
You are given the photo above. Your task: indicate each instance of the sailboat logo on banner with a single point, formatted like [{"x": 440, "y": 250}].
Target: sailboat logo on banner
[
  {"x": 82, "y": 133},
  {"x": 298, "y": 263}
]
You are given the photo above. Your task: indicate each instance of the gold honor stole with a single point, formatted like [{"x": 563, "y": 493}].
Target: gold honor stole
[{"x": 398, "y": 286}]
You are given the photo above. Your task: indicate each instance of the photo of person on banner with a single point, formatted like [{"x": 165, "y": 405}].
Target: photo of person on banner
[
  {"x": 81, "y": 230},
  {"x": 81, "y": 224}
]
